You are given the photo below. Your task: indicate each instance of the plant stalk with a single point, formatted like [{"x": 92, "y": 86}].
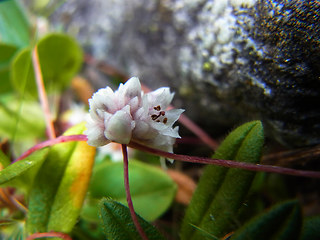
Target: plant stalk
[
  {"x": 127, "y": 187},
  {"x": 185, "y": 158},
  {"x": 49, "y": 235},
  {"x": 42, "y": 94}
]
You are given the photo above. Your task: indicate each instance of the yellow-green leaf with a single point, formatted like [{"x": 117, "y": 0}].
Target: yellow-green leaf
[{"x": 59, "y": 189}]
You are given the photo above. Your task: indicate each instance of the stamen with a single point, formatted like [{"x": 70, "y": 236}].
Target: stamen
[
  {"x": 155, "y": 117},
  {"x": 157, "y": 108}
]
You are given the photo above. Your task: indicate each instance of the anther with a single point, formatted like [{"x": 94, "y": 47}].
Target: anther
[
  {"x": 165, "y": 120},
  {"x": 157, "y": 108},
  {"x": 154, "y": 116}
]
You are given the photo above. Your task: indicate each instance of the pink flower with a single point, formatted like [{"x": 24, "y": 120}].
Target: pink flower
[{"x": 130, "y": 115}]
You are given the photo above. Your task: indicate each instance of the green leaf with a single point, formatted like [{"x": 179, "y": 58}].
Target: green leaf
[
  {"x": 221, "y": 191},
  {"x": 60, "y": 58},
  {"x": 21, "y": 120},
  {"x": 7, "y": 53},
  {"x": 12, "y": 174},
  {"x": 117, "y": 222},
  {"x": 152, "y": 190},
  {"x": 60, "y": 186},
  {"x": 311, "y": 228},
  {"x": 282, "y": 222},
  {"x": 4, "y": 160},
  {"x": 22, "y": 74},
  {"x": 14, "y": 26}
]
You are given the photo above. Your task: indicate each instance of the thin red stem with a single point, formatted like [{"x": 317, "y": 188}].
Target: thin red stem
[
  {"x": 127, "y": 187},
  {"x": 185, "y": 158},
  {"x": 51, "y": 142},
  {"x": 227, "y": 163},
  {"x": 50, "y": 235},
  {"x": 42, "y": 94}
]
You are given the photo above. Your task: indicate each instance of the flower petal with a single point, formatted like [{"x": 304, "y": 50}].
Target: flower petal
[
  {"x": 164, "y": 143},
  {"x": 134, "y": 104},
  {"x": 94, "y": 133},
  {"x": 173, "y": 115},
  {"x": 171, "y": 132},
  {"x": 102, "y": 100},
  {"x": 161, "y": 96},
  {"x": 119, "y": 127},
  {"x": 132, "y": 88}
]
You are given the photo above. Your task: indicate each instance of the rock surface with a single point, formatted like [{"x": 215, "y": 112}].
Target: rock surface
[{"x": 228, "y": 61}]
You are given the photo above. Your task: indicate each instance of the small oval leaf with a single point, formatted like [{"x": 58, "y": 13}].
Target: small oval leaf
[
  {"x": 152, "y": 190},
  {"x": 60, "y": 58}
]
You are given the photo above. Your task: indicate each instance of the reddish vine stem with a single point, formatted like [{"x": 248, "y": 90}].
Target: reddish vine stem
[
  {"x": 42, "y": 94},
  {"x": 51, "y": 142},
  {"x": 127, "y": 187},
  {"x": 185, "y": 158},
  {"x": 50, "y": 235},
  {"x": 227, "y": 163}
]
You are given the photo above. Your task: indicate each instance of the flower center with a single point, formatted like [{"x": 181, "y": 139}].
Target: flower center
[{"x": 159, "y": 116}]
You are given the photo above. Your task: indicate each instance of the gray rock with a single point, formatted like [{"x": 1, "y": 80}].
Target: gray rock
[{"x": 228, "y": 61}]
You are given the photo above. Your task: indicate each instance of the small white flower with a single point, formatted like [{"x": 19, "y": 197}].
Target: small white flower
[{"x": 130, "y": 115}]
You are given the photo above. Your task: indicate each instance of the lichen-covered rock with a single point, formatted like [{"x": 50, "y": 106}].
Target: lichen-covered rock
[{"x": 228, "y": 60}]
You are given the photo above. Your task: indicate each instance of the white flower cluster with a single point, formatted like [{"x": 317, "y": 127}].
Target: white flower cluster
[{"x": 128, "y": 114}]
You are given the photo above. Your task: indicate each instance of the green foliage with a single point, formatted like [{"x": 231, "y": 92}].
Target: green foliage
[
  {"x": 7, "y": 52},
  {"x": 60, "y": 58},
  {"x": 152, "y": 190},
  {"x": 21, "y": 120},
  {"x": 14, "y": 34},
  {"x": 14, "y": 26},
  {"x": 311, "y": 228},
  {"x": 59, "y": 188},
  {"x": 282, "y": 222},
  {"x": 117, "y": 223},
  {"x": 4, "y": 161},
  {"x": 18, "y": 174},
  {"x": 222, "y": 191}
]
